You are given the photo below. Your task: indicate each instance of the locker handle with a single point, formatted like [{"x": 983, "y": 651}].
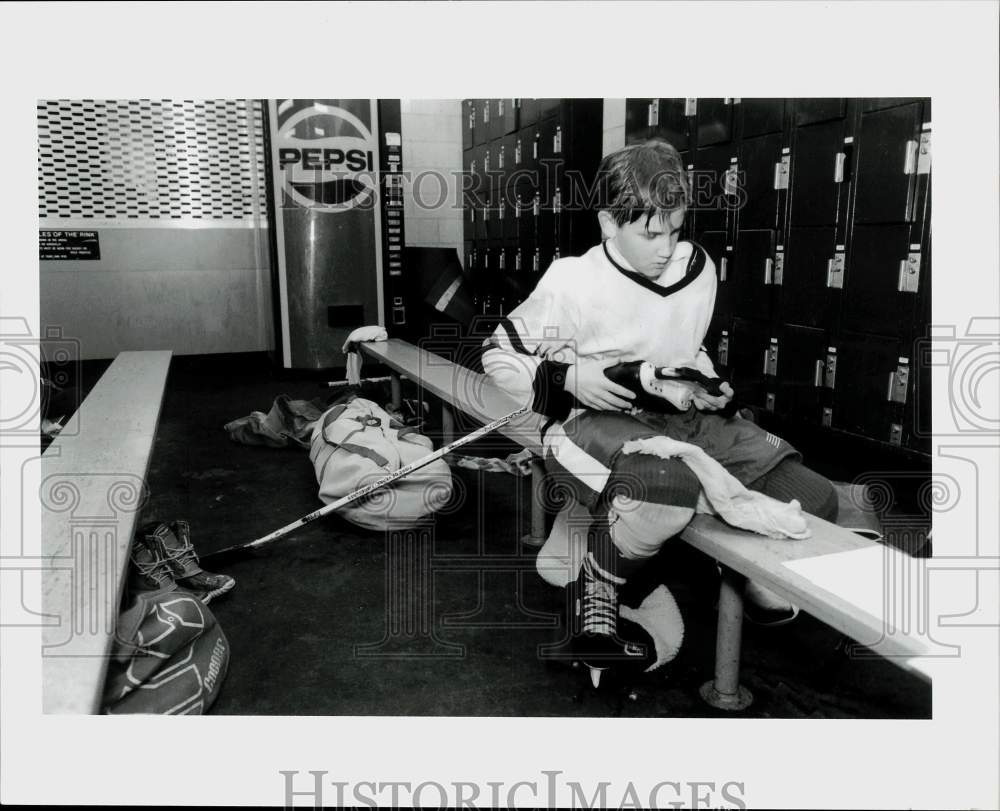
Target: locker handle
[
  {"x": 818, "y": 377},
  {"x": 892, "y": 380},
  {"x": 838, "y": 168},
  {"x": 910, "y": 161},
  {"x": 768, "y": 270},
  {"x": 722, "y": 272}
]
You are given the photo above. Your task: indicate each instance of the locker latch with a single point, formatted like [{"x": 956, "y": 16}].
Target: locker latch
[
  {"x": 827, "y": 419},
  {"x": 895, "y": 434},
  {"x": 840, "y": 162},
  {"x": 517, "y": 152},
  {"x": 653, "y": 113},
  {"x": 835, "y": 269},
  {"x": 503, "y": 259},
  {"x": 730, "y": 184},
  {"x": 909, "y": 273},
  {"x": 771, "y": 358},
  {"x": 557, "y": 141},
  {"x": 535, "y": 260},
  {"x": 768, "y": 270},
  {"x": 501, "y": 208},
  {"x": 517, "y": 209},
  {"x": 517, "y": 260},
  {"x": 782, "y": 169},
  {"x": 779, "y": 265},
  {"x": 472, "y": 116},
  {"x": 769, "y": 401},
  {"x": 690, "y": 106},
  {"x": 722, "y": 270},
  {"x": 534, "y": 146},
  {"x": 486, "y": 113},
  {"x": 557, "y": 202},
  {"x": 830, "y": 373},
  {"x": 724, "y": 348},
  {"x": 898, "y": 382},
  {"x": 924, "y": 153},
  {"x": 500, "y": 108},
  {"x": 500, "y": 158},
  {"x": 536, "y": 205},
  {"x": 486, "y": 163}
]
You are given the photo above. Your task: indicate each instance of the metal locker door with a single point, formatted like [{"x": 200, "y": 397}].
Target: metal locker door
[
  {"x": 468, "y": 123},
  {"x": 815, "y": 192},
  {"x": 708, "y": 200},
  {"x": 481, "y": 133},
  {"x": 637, "y": 120},
  {"x": 714, "y": 121},
  {"x": 494, "y": 226},
  {"x": 748, "y": 345},
  {"x": 714, "y": 243},
  {"x": 548, "y": 107},
  {"x": 887, "y": 145},
  {"x": 761, "y": 116},
  {"x": 800, "y": 379},
  {"x": 751, "y": 274},
  {"x": 803, "y": 296},
  {"x": 756, "y": 166},
  {"x": 671, "y": 122},
  {"x": 876, "y": 267},
  {"x": 529, "y": 112},
  {"x": 861, "y": 403},
  {"x": 530, "y": 148},
  {"x": 511, "y": 114},
  {"x": 812, "y": 111}
]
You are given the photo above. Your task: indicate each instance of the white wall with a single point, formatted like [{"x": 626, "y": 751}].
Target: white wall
[
  {"x": 432, "y": 155},
  {"x": 614, "y": 125}
]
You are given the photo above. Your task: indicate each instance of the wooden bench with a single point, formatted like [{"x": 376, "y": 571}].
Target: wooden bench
[
  {"x": 819, "y": 574},
  {"x": 93, "y": 486}
]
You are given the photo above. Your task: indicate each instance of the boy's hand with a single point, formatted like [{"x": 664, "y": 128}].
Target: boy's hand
[
  {"x": 704, "y": 401},
  {"x": 586, "y": 381}
]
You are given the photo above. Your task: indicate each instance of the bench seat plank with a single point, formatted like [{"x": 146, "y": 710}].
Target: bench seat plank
[{"x": 93, "y": 484}]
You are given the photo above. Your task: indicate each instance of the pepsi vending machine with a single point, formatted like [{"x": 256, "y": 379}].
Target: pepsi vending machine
[{"x": 336, "y": 223}]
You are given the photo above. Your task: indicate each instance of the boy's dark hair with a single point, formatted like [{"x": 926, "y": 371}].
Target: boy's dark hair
[{"x": 647, "y": 178}]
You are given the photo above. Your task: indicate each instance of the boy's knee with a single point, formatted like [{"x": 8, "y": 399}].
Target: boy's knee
[
  {"x": 828, "y": 504},
  {"x": 639, "y": 529}
]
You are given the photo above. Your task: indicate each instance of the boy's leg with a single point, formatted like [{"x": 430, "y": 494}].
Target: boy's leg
[
  {"x": 791, "y": 479},
  {"x": 636, "y": 502}
]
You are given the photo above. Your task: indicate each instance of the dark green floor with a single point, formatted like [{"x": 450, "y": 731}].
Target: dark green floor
[{"x": 321, "y": 624}]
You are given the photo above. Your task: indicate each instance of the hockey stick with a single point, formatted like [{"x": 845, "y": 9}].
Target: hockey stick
[{"x": 369, "y": 488}]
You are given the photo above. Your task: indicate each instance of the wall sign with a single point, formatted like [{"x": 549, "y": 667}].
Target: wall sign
[{"x": 68, "y": 245}]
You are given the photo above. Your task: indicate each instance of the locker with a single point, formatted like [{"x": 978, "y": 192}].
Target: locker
[
  {"x": 800, "y": 391},
  {"x": 714, "y": 243},
  {"x": 869, "y": 104},
  {"x": 860, "y": 400},
  {"x": 813, "y": 111},
  {"x": 708, "y": 203},
  {"x": 714, "y": 121},
  {"x": 481, "y": 133},
  {"x": 756, "y": 165},
  {"x": 548, "y": 107},
  {"x": 804, "y": 297},
  {"x": 528, "y": 113},
  {"x": 918, "y": 410},
  {"x": 761, "y": 116},
  {"x": 468, "y": 258},
  {"x": 494, "y": 226},
  {"x": 469, "y": 232},
  {"x": 508, "y": 169},
  {"x": 872, "y": 299},
  {"x": 468, "y": 123},
  {"x": 672, "y": 123},
  {"x": 482, "y": 217},
  {"x": 495, "y": 159},
  {"x": 815, "y": 194},
  {"x": 481, "y": 156},
  {"x": 530, "y": 148},
  {"x": 497, "y": 109},
  {"x": 550, "y": 141},
  {"x": 511, "y": 115},
  {"x": 887, "y": 150},
  {"x": 748, "y": 344},
  {"x": 530, "y": 197},
  {"x": 637, "y": 120},
  {"x": 750, "y": 274}
]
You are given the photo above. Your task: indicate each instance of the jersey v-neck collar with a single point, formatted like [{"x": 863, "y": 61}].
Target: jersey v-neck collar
[{"x": 695, "y": 265}]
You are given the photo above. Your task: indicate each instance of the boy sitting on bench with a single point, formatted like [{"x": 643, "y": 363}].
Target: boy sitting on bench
[{"x": 639, "y": 296}]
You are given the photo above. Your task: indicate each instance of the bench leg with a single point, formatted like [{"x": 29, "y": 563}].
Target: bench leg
[
  {"x": 447, "y": 424},
  {"x": 396, "y": 387},
  {"x": 724, "y": 691},
  {"x": 536, "y": 536}
]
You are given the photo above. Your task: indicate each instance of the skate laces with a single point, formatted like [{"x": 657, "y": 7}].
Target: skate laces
[
  {"x": 183, "y": 555},
  {"x": 154, "y": 568},
  {"x": 600, "y": 603}
]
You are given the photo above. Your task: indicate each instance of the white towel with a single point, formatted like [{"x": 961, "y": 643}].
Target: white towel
[
  {"x": 722, "y": 494},
  {"x": 360, "y": 335}
]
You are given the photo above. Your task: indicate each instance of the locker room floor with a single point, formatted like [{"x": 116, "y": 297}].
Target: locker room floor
[{"x": 302, "y": 606}]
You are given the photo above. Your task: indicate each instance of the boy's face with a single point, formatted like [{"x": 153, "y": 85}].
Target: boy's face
[{"x": 646, "y": 247}]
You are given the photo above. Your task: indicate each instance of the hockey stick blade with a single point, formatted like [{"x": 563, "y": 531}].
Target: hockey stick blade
[{"x": 361, "y": 492}]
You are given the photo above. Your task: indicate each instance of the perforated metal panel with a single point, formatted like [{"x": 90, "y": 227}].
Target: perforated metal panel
[{"x": 150, "y": 160}]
